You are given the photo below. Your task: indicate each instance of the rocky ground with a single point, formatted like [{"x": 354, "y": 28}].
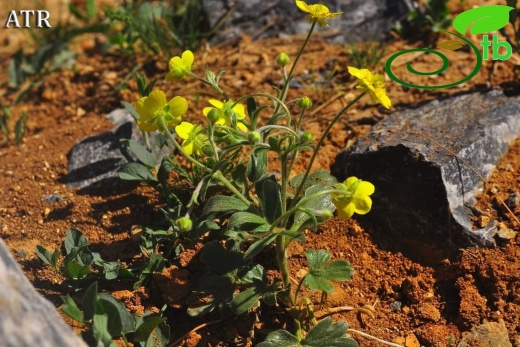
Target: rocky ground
[{"x": 416, "y": 302}]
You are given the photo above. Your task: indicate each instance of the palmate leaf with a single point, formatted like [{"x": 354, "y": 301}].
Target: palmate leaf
[
  {"x": 321, "y": 271},
  {"x": 325, "y": 334},
  {"x": 483, "y": 19}
]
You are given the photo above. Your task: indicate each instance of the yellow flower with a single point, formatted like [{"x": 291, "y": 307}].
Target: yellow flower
[
  {"x": 180, "y": 67},
  {"x": 374, "y": 84},
  {"x": 226, "y": 113},
  {"x": 356, "y": 198},
  {"x": 317, "y": 13},
  {"x": 193, "y": 140},
  {"x": 153, "y": 107}
]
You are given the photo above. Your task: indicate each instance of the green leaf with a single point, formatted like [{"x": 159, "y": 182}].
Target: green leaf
[
  {"x": 111, "y": 269},
  {"x": 47, "y": 257},
  {"x": 120, "y": 321},
  {"x": 321, "y": 178},
  {"x": 304, "y": 220},
  {"x": 255, "y": 274},
  {"x": 19, "y": 128},
  {"x": 222, "y": 203},
  {"x": 243, "y": 302},
  {"x": 135, "y": 172},
  {"x": 90, "y": 7},
  {"x": 269, "y": 193},
  {"x": 71, "y": 309},
  {"x": 74, "y": 239},
  {"x": 252, "y": 110},
  {"x": 146, "y": 324},
  {"x": 241, "y": 218},
  {"x": 155, "y": 264},
  {"x": 321, "y": 270},
  {"x": 257, "y": 246},
  {"x": 142, "y": 154},
  {"x": 77, "y": 271},
  {"x": 280, "y": 338},
  {"x": 130, "y": 109},
  {"x": 90, "y": 300},
  {"x": 239, "y": 176},
  {"x": 257, "y": 165},
  {"x": 220, "y": 260},
  {"x": 482, "y": 19},
  {"x": 164, "y": 170},
  {"x": 329, "y": 334},
  {"x": 100, "y": 329}
]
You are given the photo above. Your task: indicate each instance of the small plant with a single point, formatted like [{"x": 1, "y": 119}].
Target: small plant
[
  {"x": 26, "y": 71},
  {"x": 80, "y": 264},
  {"x": 108, "y": 319},
  {"x": 433, "y": 18},
  {"x": 236, "y": 207},
  {"x": 366, "y": 55},
  {"x": 158, "y": 27}
]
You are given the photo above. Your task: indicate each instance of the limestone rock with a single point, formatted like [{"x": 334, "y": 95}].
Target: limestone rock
[
  {"x": 96, "y": 159},
  {"x": 26, "y": 318},
  {"x": 487, "y": 334},
  {"x": 425, "y": 195},
  {"x": 361, "y": 20}
]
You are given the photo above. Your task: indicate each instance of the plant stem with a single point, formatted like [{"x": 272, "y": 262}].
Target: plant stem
[
  {"x": 281, "y": 257},
  {"x": 217, "y": 175},
  {"x": 320, "y": 142},
  {"x": 290, "y": 75}
]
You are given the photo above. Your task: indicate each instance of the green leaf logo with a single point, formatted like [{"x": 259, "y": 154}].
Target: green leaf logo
[
  {"x": 483, "y": 19},
  {"x": 451, "y": 45}
]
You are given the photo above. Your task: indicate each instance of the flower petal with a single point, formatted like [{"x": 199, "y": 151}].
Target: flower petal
[
  {"x": 365, "y": 188},
  {"x": 187, "y": 58},
  {"x": 362, "y": 203},
  {"x": 155, "y": 101},
  {"x": 139, "y": 107},
  {"x": 178, "y": 106},
  {"x": 175, "y": 63},
  {"x": 303, "y": 6},
  {"x": 188, "y": 146},
  {"x": 347, "y": 211},
  {"x": 240, "y": 111},
  {"x": 184, "y": 130},
  {"x": 216, "y": 103}
]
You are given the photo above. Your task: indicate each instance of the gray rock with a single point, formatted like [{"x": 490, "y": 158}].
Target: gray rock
[
  {"x": 26, "y": 318},
  {"x": 96, "y": 159},
  {"x": 424, "y": 195},
  {"x": 361, "y": 20},
  {"x": 490, "y": 334}
]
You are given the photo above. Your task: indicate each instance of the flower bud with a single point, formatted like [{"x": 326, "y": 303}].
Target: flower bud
[
  {"x": 184, "y": 223},
  {"x": 283, "y": 59},
  {"x": 325, "y": 213},
  {"x": 306, "y": 136},
  {"x": 214, "y": 115},
  {"x": 305, "y": 103},
  {"x": 254, "y": 137}
]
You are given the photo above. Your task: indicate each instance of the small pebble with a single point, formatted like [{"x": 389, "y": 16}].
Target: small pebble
[
  {"x": 52, "y": 198},
  {"x": 506, "y": 234},
  {"x": 22, "y": 254},
  {"x": 513, "y": 200},
  {"x": 395, "y": 306}
]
